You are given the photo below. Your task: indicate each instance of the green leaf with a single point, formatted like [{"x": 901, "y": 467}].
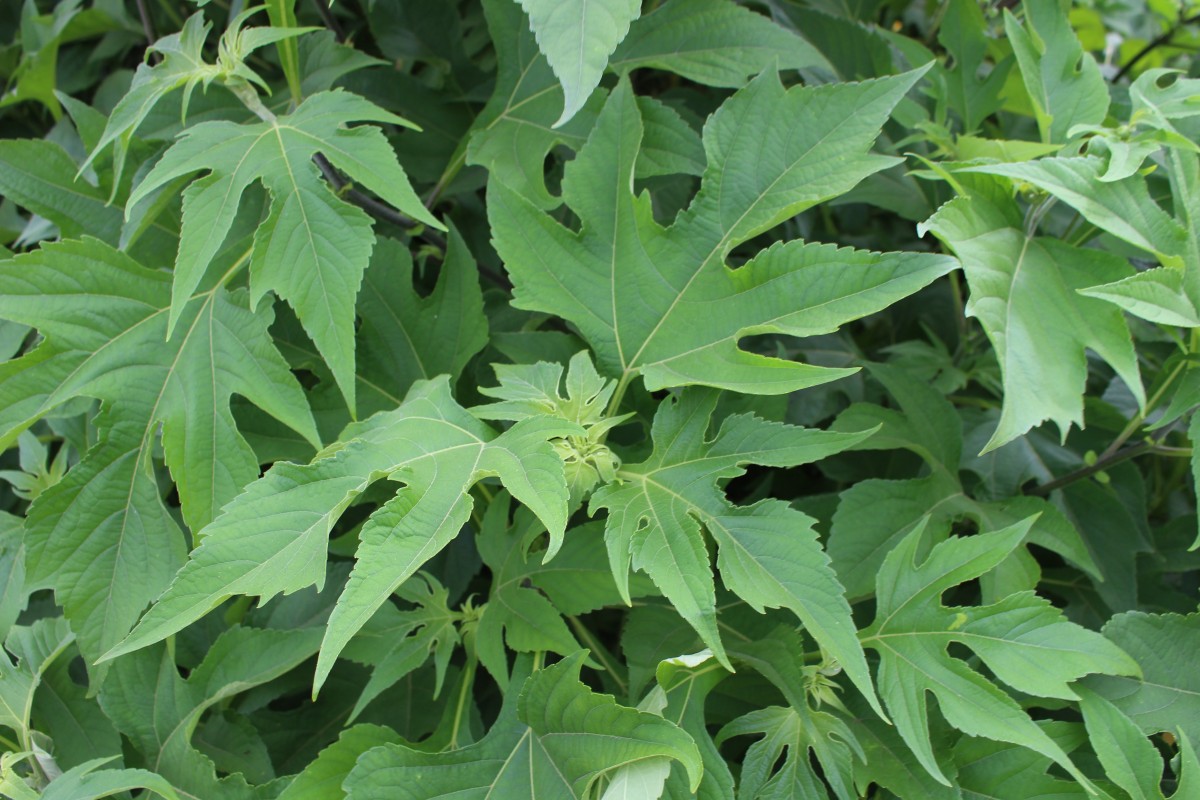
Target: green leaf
[
  {"x": 963, "y": 34},
  {"x": 528, "y": 391},
  {"x": 405, "y": 337},
  {"x": 394, "y": 643},
  {"x": 683, "y": 326},
  {"x": 768, "y": 553},
  {"x": 714, "y": 42},
  {"x": 800, "y": 728},
  {"x": 1024, "y": 293},
  {"x": 1064, "y": 82},
  {"x": 1167, "y": 695},
  {"x": 874, "y": 515},
  {"x": 40, "y": 176},
  {"x": 577, "y": 37},
  {"x": 991, "y": 769},
  {"x": 101, "y": 537},
  {"x": 517, "y": 613},
  {"x": 157, "y": 710},
  {"x": 322, "y": 778},
  {"x": 1160, "y": 295},
  {"x": 313, "y": 248},
  {"x": 1024, "y": 640},
  {"x": 554, "y": 741},
  {"x": 514, "y": 133},
  {"x": 272, "y": 539},
  {"x": 35, "y": 647},
  {"x": 1129, "y": 759},
  {"x": 685, "y": 683},
  {"x": 1123, "y": 208},
  {"x": 88, "y": 782}
]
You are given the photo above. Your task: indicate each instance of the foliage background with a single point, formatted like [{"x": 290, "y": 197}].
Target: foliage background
[{"x": 594, "y": 400}]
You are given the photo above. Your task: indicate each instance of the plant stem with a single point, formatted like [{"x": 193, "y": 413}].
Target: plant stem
[
  {"x": 1101, "y": 464},
  {"x": 1154, "y": 44},
  {"x": 602, "y": 655}
]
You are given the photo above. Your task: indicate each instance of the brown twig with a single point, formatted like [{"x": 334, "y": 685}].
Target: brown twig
[
  {"x": 329, "y": 20},
  {"x": 1105, "y": 462},
  {"x": 1154, "y": 44}
]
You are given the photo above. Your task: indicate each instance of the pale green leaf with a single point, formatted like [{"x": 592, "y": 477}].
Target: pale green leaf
[
  {"x": 1024, "y": 293},
  {"x": 1123, "y": 208},
  {"x": 272, "y": 539},
  {"x": 1064, "y": 82},
  {"x": 661, "y": 302},
  {"x": 577, "y": 37}
]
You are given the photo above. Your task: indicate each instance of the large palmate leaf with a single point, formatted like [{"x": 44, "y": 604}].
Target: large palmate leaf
[
  {"x": 1024, "y": 293},
  {"x": 577, "y": 36},
  {"x": 101, "y": 537},
  {"x": 660, "y": 302},
  {"x": 768, "y": 553},
  {"x": 1023, "y": 640},
  {"x": 158, "y": 710},
  {"x": 313, "y": 248},
  {"x": 554, "y": 740},
  {"x": 272, "y": 539}
]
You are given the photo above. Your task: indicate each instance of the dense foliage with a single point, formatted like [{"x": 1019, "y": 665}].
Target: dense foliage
[{"x": 596, "y": 399}]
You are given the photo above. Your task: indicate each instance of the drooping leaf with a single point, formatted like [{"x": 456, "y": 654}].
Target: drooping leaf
[
  {"x": 1024, "y": 293},
  {"x": 661, "y": 302},
  {"x": 313, "y": 248},
  {"x": 1123, "y": 208},
  {"x": 101, "y": 537},
  {"x": 912, "y": 631},
  {"x": 768, "y": 553},
  {"x": 577, "y": 37},
  {"x": 553, "y": 742}
]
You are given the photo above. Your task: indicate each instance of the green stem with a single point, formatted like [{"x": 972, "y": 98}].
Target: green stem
[
  {"x": 460, "y": 703},
  {"x": 602, "y": 655}
]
